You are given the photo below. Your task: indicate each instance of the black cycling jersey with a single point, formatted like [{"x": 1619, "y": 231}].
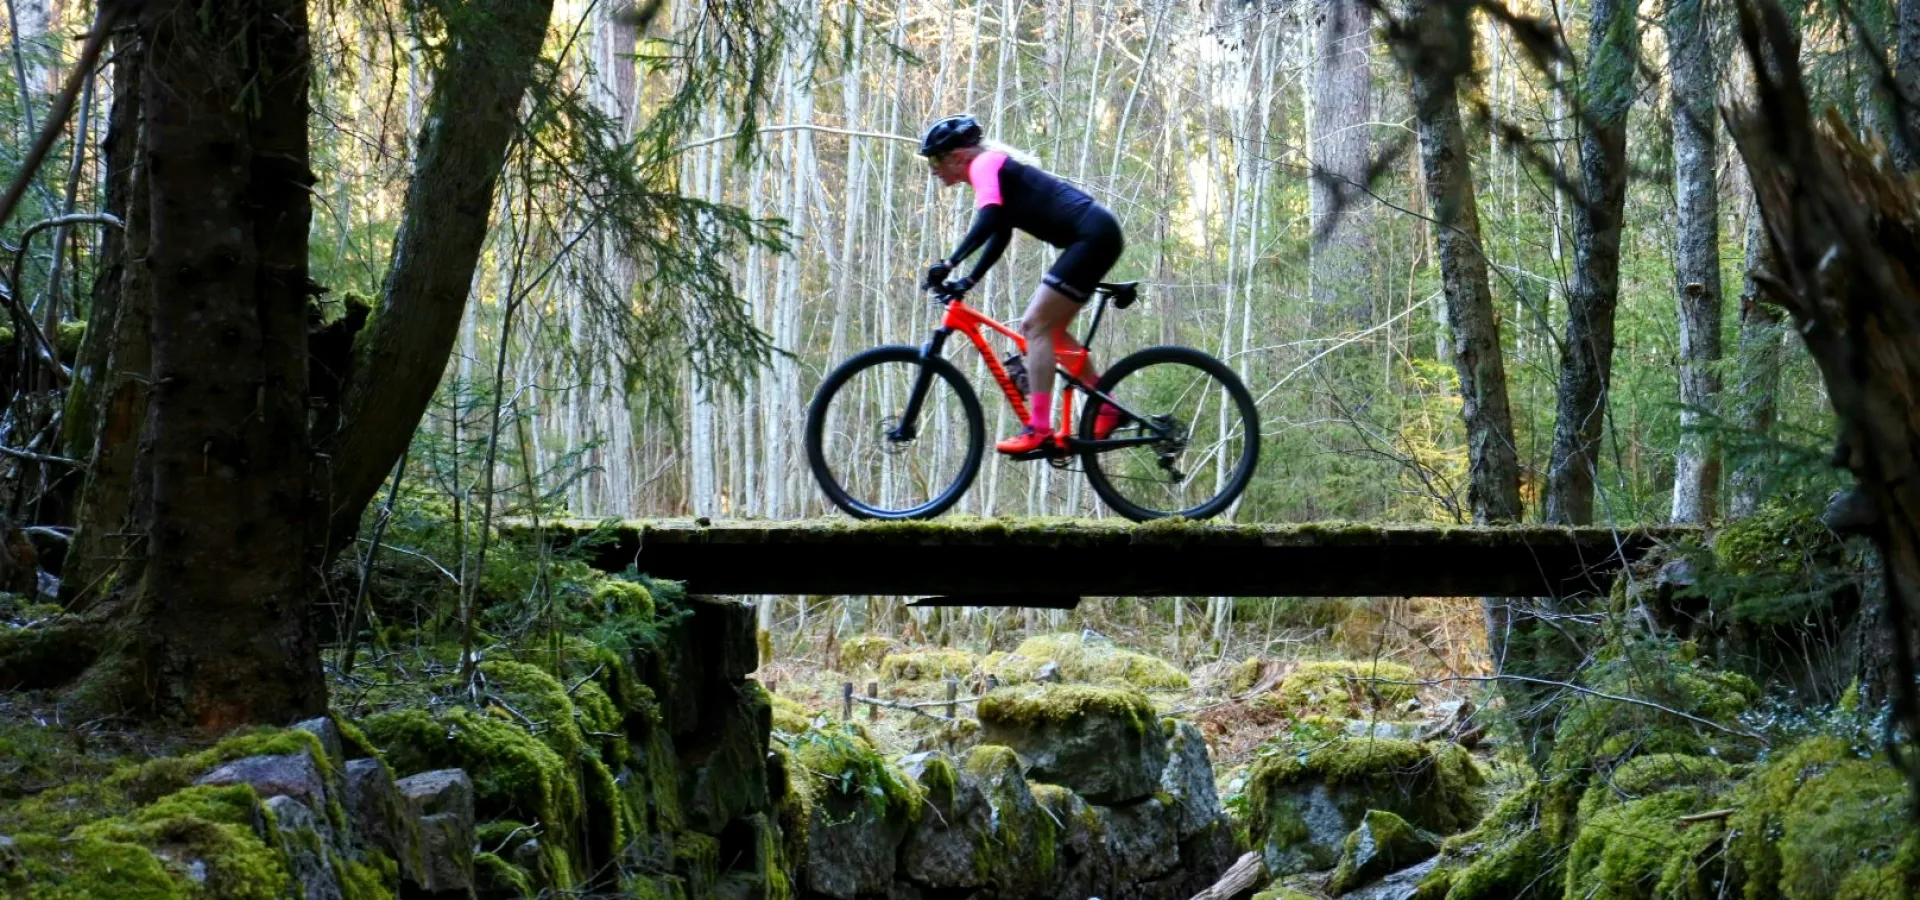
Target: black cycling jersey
[{"x": 1011, "y": 194}]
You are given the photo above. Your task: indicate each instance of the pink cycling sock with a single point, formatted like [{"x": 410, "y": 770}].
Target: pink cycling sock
[{"x": 1041, "y": 418}]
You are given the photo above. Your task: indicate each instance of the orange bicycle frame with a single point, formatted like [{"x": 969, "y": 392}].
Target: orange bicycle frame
[{"x": 968, "y": 321}]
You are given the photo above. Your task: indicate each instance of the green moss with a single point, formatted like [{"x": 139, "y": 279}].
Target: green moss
[
  {"x": 375, "y": 878},
  {"x": 1024, "y": 844},
  {"x": 864, "y": 651},
  {"x": 1821, "y": 821},
  {"x": 1244, "y": 676},
  {"x": 928, "y": 665},
  {"x": 1278, "y": 891},
  {"x": 1098, "y": 662},
  {"x": 696, "y": 859},
  {"x": 67, "y": 337},
  {"x": 618, "y": 598},
  {"x": 86, "y": 868},
  {"x": 495, "y": 877},
  {"x": 1342, "y": 689},
  {"x": 1389, "y": 843},
  {"x": 840, "y": 760},
  {"x": 209, "y": 830},
  {"x": 1640, "y": 849},
  {"x": 515, "y": 775},
  {"x": 1066, "y": 704},
  {"x": 1433, "y": 785},
  {"x": 789, "y": 716}
]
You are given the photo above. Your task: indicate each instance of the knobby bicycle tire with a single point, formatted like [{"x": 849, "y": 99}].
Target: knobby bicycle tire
[
  {"x": 1243, "y": 401},
  {"x": 817, "y": 419}
]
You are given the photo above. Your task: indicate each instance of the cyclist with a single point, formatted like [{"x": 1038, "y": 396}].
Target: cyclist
[{"x": 1010, "y": 192}]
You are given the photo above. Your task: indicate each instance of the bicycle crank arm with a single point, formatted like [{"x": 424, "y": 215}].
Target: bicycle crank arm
[{"x": 1102, "y": 446}]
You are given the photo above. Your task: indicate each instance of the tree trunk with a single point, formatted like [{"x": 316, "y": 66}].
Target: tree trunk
[
  {"x": 1586, "y": 357},
  {"x": 1696, "y": 477},
  {"x": 108, "y": 403},
  {"x": 471, "y": 119},
  {"x": 1847, "y": 276},
  {"x": 1494, "y": 468},
  {"x": 217, "y": 632},
  {"x": 1763, "y": 342},
  {"x": 1906, "y": 140},
  {"x": 1338, "y": 131}
]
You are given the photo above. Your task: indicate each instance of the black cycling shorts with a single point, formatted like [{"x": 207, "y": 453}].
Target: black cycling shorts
[{"x": 1085, "y": 261}]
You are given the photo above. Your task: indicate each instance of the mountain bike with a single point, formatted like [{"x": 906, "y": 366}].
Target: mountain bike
[{"x": 897, "y": 432}]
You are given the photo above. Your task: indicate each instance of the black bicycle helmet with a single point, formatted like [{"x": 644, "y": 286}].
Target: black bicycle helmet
[{"x": 950, "y": 133}]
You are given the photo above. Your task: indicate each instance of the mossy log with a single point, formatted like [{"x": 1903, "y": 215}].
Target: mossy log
[{"x": 969, "y": 557}]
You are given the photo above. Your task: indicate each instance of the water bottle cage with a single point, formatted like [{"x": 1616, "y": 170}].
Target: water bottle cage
[{"x": 1016, "y": 366}]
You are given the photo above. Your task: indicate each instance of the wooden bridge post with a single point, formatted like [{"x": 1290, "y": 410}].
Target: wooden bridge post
[
  {"x": 873, "y": 709},
  {"x": 846, "y": 702},
  {"x": 953, "y": 692}
]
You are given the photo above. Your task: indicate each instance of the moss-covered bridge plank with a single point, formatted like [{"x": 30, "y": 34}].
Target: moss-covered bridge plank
[{"x": 1024, "y": 561}]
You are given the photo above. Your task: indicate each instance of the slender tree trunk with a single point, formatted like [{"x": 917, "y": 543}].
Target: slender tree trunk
[
  {"x": 1586, "y": 358},
  {"x": 1493, "y": 487},
  {"x": 1696, "y": 478},
  {"x": 471, "y": 119},
  {"x": 218, "y": 633},
  {"x": 1341, "y": 106},
  {"x": 1762, "y": 351}
]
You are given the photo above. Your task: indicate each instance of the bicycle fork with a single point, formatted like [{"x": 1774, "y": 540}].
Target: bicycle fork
[{"x": 909, "y": 427}]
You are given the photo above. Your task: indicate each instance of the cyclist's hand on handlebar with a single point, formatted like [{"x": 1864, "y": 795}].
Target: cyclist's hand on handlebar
[
  {"x": 959, "y": 286},
  {"x": 936, "y": 275}
]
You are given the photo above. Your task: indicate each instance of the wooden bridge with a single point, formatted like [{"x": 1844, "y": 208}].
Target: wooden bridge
[{"x": 1054, "y": 562}]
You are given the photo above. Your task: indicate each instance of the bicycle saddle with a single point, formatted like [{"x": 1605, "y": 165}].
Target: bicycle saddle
[{"x": 1123, "y": 293}]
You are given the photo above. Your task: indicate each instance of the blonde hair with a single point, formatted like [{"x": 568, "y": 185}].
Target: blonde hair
[{"x": 1020, "y": 156}]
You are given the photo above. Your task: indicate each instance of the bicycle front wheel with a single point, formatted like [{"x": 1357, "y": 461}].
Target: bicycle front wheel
[
  {"x": 1188, "y": 444},
  {"x": 875, "y": 462}
]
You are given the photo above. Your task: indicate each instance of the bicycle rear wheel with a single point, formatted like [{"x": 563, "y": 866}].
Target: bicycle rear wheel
[
  {"x": 874, "y": 465},
  {"x": 1195, "y": 436}
]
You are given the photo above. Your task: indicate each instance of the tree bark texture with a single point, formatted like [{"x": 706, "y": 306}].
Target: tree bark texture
[
  {"x": 1446, "y": 165},
  {"x": 471, "y": 120},
  {"x": 218, "y": 635},
  {"x": 108, "y": 403},
  {"x": 1846, "y": 242},
  {"x": 1754, "y": 399},
  {"x": 1696, "y": 477},
  {"x": 1586, "y": 356},
  {"x": 1906, "y": 143},
  {"x": 1341, "y": 107}
]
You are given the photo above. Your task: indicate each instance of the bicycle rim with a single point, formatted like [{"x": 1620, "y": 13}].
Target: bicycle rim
[
  {"x": 864, "y": 460},
  {"x": 1205, "y": 436}
]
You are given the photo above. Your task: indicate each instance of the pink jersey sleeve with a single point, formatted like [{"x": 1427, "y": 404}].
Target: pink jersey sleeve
[{"x": 984, "y": 174}]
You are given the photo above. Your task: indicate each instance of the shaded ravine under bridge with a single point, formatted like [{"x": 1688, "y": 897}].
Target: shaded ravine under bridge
[{"x": 1052, "y": 563}]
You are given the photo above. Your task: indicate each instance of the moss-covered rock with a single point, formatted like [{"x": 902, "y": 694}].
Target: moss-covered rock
[
  {"x": 1305, "y": 796},
  {"x": 1095, "y": 661},
  {"x": 724, "y": 767},
  {"x": 1104, "y": 744},
  {"x": 948, "y": 847},
  {"x": 789, "y": 716},
  {"x": 1824, "y": 822},
  {"x": 1506, "y": 857},
  {"x": 857, "y": 811},
  {"x": 928, "y": 665},
  {"x": 1083, "y": 854},
  {"x": 1342, "y": 689},
  {"x": 863, "y": 652},
  {"x": 1024, "y": 850},
  {"x": 1384, "y": 843}
]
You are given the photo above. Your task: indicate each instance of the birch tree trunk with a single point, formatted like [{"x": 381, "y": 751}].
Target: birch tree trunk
[
  {"x": 1340, "y": 110},
  {"x": 1586, "y": 356},
  {"x": 1696, "y": 478}
]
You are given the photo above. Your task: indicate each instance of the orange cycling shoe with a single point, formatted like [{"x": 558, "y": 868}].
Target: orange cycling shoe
[{"x": 1027, "y": 441}]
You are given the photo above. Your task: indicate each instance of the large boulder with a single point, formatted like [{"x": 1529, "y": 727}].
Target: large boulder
[
  {"x": 1141, "y": 838},
  {"x": 1306, "y": 799},
  {"x": 380, "y": 819},
  {"x": 724, "y": 767},
  {"x": 947, "y": 848},
  {"x": 1024, "y": 850},
  {"x": 442, "y": 802},
  {"x": 1188, "y": 779},
  {"x": 1104, "y": 744},
  {"x": 308, "y": 856},
  {"x": 1083, "y": 861},
  {"x": 857, "y": 809},
  {"x": 296, "y": 775},
  {"x": 1383, "y": 844}
]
